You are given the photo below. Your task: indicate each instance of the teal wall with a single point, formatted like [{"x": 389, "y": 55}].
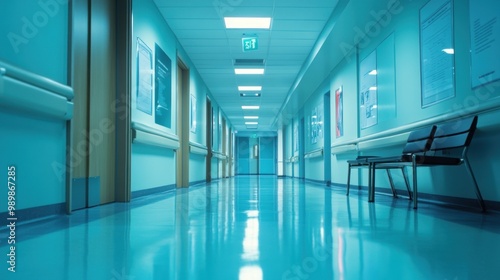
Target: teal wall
[
  {"x": 148, "y": 164},
  {"x": 152, "y": 166},
  {"x": 34, "y": 36},
  {"x": 314, "y": 167},
  {"x": 345, "y": 76},
  {"x": 37, "y": 149},
  {"x": 214, "y": 168},
  {"x": 197, "y": 168},
  {"x": 151, "y": 28},
  {"x": 395, "y": 39}
]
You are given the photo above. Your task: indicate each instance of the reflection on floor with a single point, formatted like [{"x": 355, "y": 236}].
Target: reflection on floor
[{"x": 259, "y": 228}]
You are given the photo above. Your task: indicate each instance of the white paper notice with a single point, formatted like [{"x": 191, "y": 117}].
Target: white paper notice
[
  {"x": 485, "y": 41},
  {"x": 437, "y": 52},
  {"x": 144, "y": 99}
]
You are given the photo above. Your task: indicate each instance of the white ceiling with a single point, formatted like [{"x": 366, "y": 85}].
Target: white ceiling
[{"x": 295, "y": 27}]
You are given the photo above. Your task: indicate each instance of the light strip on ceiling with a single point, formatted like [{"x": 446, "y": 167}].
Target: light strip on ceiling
[
  {"x": 251, "y": 117},
  {"x": 251, "y": 123},
  {"x": 250, "y": 107},
  {"x": 249, "y": 88},
  {"x": 248, "y": 22},
  {"x": 249, "y": 94},
  {"x": 249, "y": 71}
]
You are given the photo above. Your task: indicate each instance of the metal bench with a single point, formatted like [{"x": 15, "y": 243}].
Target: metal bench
[
  {"x": 449, "y": 147},
  {"x": 419, "y": 141}
]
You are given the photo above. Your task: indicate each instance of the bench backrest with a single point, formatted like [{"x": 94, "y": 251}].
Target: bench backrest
[
  {"x": 455, "y": 134},
  {"x": 419, "y": 141}
]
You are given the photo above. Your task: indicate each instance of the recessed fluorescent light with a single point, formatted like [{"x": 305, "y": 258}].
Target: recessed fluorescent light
[
  {"x": 251, "y": 117},
  {"x": 250, "y": 107},
  {"x": 373, "y": 88},
  {"x": 249, "y": 88},
  {"x": 249, "y": 94},
  {"x": 449, "y": 51},
  {"x": 251, "y": 123},
  {"x": 373, "y": 72},
  {"x": 249, "y": 71},
  {"x": 248, "y": 22}
]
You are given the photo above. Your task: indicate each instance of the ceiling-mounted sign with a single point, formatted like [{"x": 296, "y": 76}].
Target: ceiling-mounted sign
[{"x": 250, "y": 44}]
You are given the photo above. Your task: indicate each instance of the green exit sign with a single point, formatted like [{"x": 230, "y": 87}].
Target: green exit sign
[{"x": 250, "y": 44}]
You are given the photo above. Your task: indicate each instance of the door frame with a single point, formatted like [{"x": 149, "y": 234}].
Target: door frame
[
  {"x": 183, "y": 125},
  {"x": 209, "y": 130}
]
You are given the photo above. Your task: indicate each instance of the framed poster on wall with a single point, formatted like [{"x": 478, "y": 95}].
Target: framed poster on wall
[
  {"x": 163, "y": 88},
  {"x": 339, "y": 113},
  {"x": 192, "y": 116},
  {"x": 144, "y": 98},
  {"x": 368, "y": 102},
  {"x": 437, "y": 52},
  {"x": 319, "y": 121},
  {"x": 485, "y": 41},
  {"x": 314, "y": 126}
]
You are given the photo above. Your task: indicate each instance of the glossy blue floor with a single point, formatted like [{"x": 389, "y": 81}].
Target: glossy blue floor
[{"x": 259, "y": 228}]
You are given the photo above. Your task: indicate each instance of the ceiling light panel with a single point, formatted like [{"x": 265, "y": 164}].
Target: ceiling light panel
[
  {"x": 247, "y": 22},
  {"x": 249, "y": 71},
  {"x": 246, "y": 107},
  {"x": 249, "y": 88}
]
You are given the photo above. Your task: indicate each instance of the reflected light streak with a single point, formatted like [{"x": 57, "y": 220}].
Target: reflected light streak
[
  {"x": 449, "y": 51},
  {"x": 251, "y": 237},
  {"x": 340, "y": 259},
  {"x": 253, "y": 272}
]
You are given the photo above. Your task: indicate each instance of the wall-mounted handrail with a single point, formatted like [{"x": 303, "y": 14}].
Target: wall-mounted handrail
[
  {"x": 388, "y": 141},
  {"x": 293, "y": 159},
  {"x": 148, "y": 135},
  {"x": 347, "y": 148},
  {"x": 36, "y": 80},
  {"x": 394, "y": 136},
  {"x": 314, "y": 153},
  {"x": 199, "y": 149},
  {"x": 219, "y": 155},
  {"x": 28, "y": 92}
]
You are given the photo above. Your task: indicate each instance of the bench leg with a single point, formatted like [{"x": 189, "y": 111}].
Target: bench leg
[
  {"x": 348, "y": 178},
  {"x": 391, "y": 182},
  {"x": 371, "y": 182},
  {"x": 476, "y": 187},
  {"x": 415, "y": 187},
  {"x": 407, "y": 183}
]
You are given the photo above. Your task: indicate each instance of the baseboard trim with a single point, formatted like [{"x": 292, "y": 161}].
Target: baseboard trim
[
  {"x": 33, "y": 213},
  {"x": 141, "y": 193},
  {"x": 445, "y": 200},
  {"x": 195, "y": 183}
]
